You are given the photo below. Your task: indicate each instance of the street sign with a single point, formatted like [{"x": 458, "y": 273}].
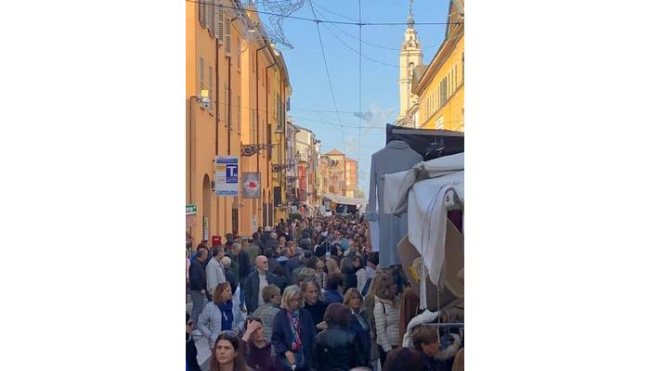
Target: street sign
[
  {"x": 251, "y": 185},
  {"x": 226, "y": 176},
  {"x": 190, "y": 209}
]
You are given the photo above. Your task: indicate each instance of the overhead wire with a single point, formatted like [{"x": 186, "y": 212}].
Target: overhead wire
[
  {"x": 357, "y": 51},
  {"x": 316, "y": 20},
  {"x": 360, "y": 112},
  {"x": 347, "y": 125},
  {"x": 359, "y": 38},
  {"x": 322, "y": 48}
]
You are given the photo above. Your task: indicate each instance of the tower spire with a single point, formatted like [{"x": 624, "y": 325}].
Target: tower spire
[{"x": 410, "y": 19}]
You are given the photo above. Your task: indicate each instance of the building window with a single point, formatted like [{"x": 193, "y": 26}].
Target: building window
[
  {"x": 463, "y": 68},
  {"x": 253, "y": 129},
  {"x": 239, "y": 46},
  {"x": 440, "y": 123},
  {"x": 238, "y": 113},
  {"x": 201, "y": 73}
]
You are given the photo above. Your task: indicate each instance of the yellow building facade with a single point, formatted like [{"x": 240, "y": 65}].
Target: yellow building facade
[
  {"x": 441, "y": 88},
  {"x": 228, "y": 100}
]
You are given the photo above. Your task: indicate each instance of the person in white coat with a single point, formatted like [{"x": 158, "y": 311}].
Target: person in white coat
[
  {"x": 220, "y": 315},
  {"x": 386, "y": 313},
  {"x": 214, "y": 271}
]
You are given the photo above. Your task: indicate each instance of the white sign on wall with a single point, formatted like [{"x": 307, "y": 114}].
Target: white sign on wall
[{"x": 226, "y": 176}]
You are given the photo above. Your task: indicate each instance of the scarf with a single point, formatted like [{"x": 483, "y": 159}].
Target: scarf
[
  {"x": 227, "y": 316},
  {"x": 294, "y": 324}
]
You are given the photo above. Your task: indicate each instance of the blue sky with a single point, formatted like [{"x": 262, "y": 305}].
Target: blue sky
[{"x": 311, "y": 102}]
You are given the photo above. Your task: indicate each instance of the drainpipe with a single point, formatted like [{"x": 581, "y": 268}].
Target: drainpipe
[
  {"x": 257, "y": 104},
  {"x": 197, "y": 99},
  {"x": 216, "y": 119},
  {"x": 266, "y": 76},
  {"x": 230, "y": 89}
]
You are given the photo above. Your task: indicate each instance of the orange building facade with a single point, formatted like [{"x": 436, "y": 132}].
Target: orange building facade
[{"x": 236, "y": 93}]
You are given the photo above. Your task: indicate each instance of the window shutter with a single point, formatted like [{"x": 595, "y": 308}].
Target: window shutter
[
  {"x": 210, "y": 83},
  {"x": 238, "y": 113},
  {"x": 202, "y": 73},
  {"x": 253, "y": 128},
  {"x": 239, "y": 48},
  {"x": 208, "y": 11},
  {"x": 226, "y": 22},
  {"x": 220, "y": 17},
  {"x": 201, "y": 13}
]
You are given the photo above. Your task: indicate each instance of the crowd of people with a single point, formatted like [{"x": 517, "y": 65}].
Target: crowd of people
[{"x": 304, "y": 295}]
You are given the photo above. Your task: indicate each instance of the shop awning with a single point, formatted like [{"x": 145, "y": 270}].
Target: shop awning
[{"x": 342, "y": 200}]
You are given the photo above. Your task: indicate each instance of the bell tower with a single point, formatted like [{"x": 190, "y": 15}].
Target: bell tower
[{"x": 410, "y": 57}]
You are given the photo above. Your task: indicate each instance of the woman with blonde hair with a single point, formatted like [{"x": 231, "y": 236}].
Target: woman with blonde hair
[
  {"x": 293, "y": 332},
  {"x": 386, "y": 313},
  {"x": 332, "y": 266},
  {"x": 359, "y": 322},
  {"x": 220, "y": 315},
  {"x": 314, "y": 303}
]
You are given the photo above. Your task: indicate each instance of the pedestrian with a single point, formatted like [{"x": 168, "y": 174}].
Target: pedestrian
[
  {"x": 305, "y": 275},
  {"x": 349, "y": 276},
  {"x": 255, "y": 283},
  {"x": 337, "y": 347},
  {"x": 359, "y": 322},
  {"x": 314, "y": 303},
  {"x": 215, "y": 271},
  {"x": 427, "y": 341},
  {"x": 332, "y": 266},
  {"x": 226, "y": 355},
  {"x": 285, "y": 255},
  {"x": 386, "y": 313},
  {"x": 321, "y": 276},
  {"x": 220, "y": 315},
  {"x": 405, "y": 359},
  {"x": 233, "y": 254},
  {"x": 334, "y": 288},
  {"x": 293, "y": 332},
  {"x": 305, "y": 242},
  {"x": 244, "y": 271},
  {"x": 282, "y": 241},
  {"x": 198, "y": 283},
  {"x": 258, "y": 350},
  {"x": 271, "y": 242},
  {"x": 266, "y": 235},
  {"x": 253, "y": 250},
  {"x": 371, "y": 267},
  {"x": 267, "y": 311},
  {"x": 191, "y": 362},
  {"x": 230, "y": 276},
  {"x": 280, "y": 278}
]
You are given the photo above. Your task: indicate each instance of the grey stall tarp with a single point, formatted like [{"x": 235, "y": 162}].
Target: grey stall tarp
[{"x": 425, "y": 193}]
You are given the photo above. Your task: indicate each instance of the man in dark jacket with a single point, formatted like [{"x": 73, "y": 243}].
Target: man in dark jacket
[
  {"x": 255, "y": 282},
  {"x": 265, "y": 236},
  {"x": 305, "y": 242},
  {"x": 198, "y": 283},
  {"x": 272, "y": 242}
]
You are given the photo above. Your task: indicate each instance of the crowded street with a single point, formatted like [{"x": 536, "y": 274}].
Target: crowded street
[{"x": 313, "y": 242}]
